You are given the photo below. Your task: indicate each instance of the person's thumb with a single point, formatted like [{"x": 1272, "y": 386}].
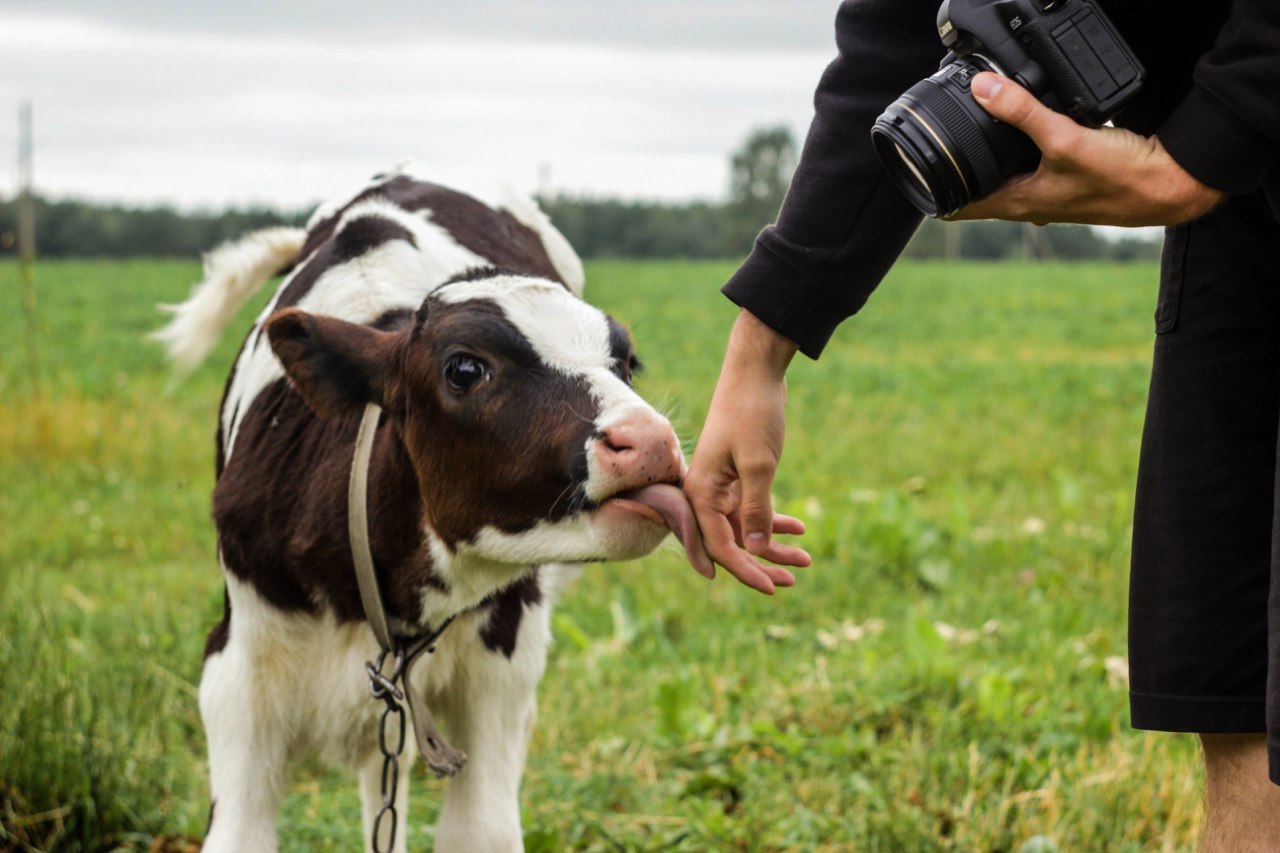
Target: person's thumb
[
  {"x": 756, "y": 509},
  {"x": 1006, "y": 100}
]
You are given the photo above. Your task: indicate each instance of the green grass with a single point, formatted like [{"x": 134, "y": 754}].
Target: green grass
[{"x": 944, "y": 678}]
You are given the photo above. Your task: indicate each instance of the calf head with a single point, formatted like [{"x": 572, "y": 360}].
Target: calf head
[{"x": 513, "y": 400}]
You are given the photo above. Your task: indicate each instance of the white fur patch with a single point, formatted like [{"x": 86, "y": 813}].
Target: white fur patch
[
  {"x": 392, "y": 275},
  {"x": 567, "y": 334},
  {"x": 494, "y": 559},
  {"x": 503, "y": 196}
]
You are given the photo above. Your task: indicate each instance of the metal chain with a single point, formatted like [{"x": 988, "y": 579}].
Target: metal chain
[
  {"x": 392, "y": 723},
  {"x": 385, "y": 687}
]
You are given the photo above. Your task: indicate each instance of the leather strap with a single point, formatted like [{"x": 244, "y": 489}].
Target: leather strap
[
  {"x": 358, "y": 528},
  {"x": 442, "y": 758}
]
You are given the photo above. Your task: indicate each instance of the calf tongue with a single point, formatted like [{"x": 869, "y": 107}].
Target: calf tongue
[{"x": 670, "y": 503}]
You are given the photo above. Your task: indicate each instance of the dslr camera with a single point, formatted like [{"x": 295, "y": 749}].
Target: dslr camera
[{"x": 944, "y": 151}]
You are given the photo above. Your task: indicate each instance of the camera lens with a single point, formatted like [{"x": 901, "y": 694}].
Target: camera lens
[
  {"x": 915, "y": 173},
  {"x": 942, "y": 149}
]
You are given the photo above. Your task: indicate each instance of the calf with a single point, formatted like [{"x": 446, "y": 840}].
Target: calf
[{"x": 511, "y": 448}]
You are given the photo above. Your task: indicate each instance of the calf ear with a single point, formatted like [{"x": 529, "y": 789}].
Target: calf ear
[{"x": 337, "y": 366}]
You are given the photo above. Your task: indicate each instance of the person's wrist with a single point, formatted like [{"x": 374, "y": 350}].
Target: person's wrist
[
  {"x": 755, "y": 346},
  {"x": 1191, "y": 198}
]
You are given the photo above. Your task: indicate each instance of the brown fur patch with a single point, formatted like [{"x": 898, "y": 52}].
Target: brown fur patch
[
  {"x": 281, "y": 511},
  {"x": 506, "y": 611},
  {"x": 514, "y": 447},
  {"x": 337, "y": 366}
]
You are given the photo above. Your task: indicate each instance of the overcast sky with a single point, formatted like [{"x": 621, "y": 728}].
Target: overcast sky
[{"x": 204, "y": 104}]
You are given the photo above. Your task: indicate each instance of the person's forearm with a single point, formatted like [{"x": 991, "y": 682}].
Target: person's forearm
[
  {"x": 753, "y": 346},
  {"x": 843, "y": 223}
]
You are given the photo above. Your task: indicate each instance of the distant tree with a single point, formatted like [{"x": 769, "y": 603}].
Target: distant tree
[
  {"x": 929, "y": 241},
  {"x": 70, "y": 228},
  {"x": 759, "y": 174},
  {"x": 1076, "y": 242},
  {"x": 603, "y": 228},
  {"x": 1136, "y": 249},
  {"x": 991, "y": 240}
]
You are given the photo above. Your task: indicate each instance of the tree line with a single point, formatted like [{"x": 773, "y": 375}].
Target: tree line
[
  {"x": 596, "y": 227},
  {"x": 760, "y": 171}
]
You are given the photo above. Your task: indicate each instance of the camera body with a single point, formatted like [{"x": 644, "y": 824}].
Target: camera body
[
  {"x": 1066, "y": 53},
  {"x": 945, "y": 151}
]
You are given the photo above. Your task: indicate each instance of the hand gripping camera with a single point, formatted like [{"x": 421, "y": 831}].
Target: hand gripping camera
[{"x": 945, "y": 151}]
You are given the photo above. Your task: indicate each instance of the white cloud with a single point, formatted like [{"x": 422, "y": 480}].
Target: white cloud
[
  {"x": 217, "y": 116},
  {"x": 659, "y": 24}
]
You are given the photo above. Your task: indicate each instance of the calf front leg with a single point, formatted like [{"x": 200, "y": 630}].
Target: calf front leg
[
  {"x": 247, "y": 756},
  {"x": 488, "y": 709}
]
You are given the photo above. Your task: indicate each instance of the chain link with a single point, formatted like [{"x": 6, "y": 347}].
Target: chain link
[
  {"x": 380, "y": 686},
  {"x": 392, "y": 729},
  {"x": 392, "y": 723},
  {"x": 390, "y": 688}
]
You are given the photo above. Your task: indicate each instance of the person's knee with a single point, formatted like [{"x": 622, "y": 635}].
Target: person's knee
[
  {"x": 1247, "y": 747},
  {"x": 1241, "y": 814}
]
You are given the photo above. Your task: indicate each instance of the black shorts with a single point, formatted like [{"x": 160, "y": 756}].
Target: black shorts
[{"x": 1203, "y": 644}]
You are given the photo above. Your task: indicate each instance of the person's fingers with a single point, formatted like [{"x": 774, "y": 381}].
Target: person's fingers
[
  {"x": 775, "y": 552},
  {"x": 718, "y": 539},
  {"x": 787, "y": 555},
  {"x": 756, "y": 507},
  {"x": 1053, "y": 133},
  {"x": 702, "y": 562},
  {"x": 787, "y": 524},
  {"x": 779, "y": 575}
]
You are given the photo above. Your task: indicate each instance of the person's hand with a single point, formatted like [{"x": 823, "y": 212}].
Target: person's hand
[
  {"x": 736, "y": 457},
  {"x": 1106, "y": 176}
]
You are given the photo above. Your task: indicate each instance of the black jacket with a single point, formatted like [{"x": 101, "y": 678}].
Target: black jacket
[{"x": 1212, "y": 95}]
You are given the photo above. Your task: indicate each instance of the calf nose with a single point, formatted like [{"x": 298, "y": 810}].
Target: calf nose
[{"x": 640, "y": 450}]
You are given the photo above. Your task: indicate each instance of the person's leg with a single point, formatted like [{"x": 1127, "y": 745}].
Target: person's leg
[
  {"x": 1204, "y": 508},
  {"x": 1242, "y": 806}
]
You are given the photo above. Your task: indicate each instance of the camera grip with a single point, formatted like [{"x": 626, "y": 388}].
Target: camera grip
[{"x": 1094, "y": 72}]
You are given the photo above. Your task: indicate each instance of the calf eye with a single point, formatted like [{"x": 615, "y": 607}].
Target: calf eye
[
  {"x": 628, "y": 369},
  {"x": 464, "y": 371}
]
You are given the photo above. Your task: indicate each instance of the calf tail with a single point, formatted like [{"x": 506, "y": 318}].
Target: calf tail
[{"x": 233, "y": 273}]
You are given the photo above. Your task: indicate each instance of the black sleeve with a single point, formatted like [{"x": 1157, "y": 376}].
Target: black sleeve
[
  {"x": 1226, "y": 133},
  {"x": 843, "y": 223}
]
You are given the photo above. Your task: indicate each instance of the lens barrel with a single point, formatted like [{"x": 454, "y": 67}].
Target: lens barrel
[{"x": 942, "y": 149}]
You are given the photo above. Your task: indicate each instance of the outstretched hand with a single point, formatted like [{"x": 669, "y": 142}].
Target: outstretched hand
[
  {"x": 1103, "y": 176},
  {"x": 737, "y": 455}
]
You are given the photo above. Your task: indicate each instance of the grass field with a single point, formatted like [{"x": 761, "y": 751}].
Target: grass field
[{"x": 948, "y": 676}]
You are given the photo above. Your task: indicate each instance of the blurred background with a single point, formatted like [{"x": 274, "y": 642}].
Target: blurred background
[{"x": 658, "y": 129}]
